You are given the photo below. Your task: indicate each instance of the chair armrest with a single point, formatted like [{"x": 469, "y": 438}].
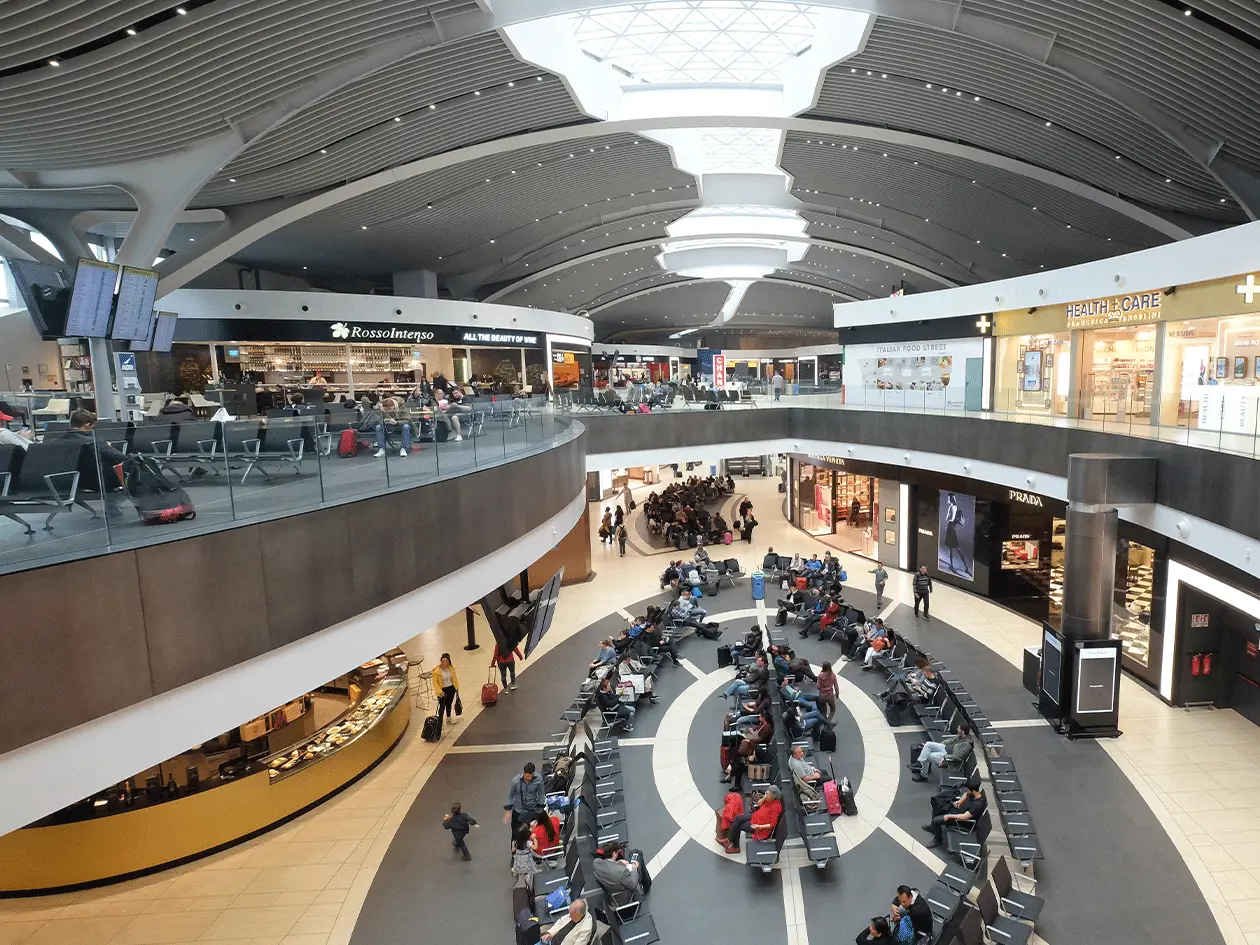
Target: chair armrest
[
  {"x": 120, "y": 445},
  {"x": 162, "y": 448},
  {"x": 4, "y": 483},
  {"x": 52, "y": 487},
  {"x": 208, "y": 447},
  {"x": 251, "y": 447},
  {"x": 296, "y": 453}
]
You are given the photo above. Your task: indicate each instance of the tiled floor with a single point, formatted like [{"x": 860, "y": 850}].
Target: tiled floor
[{"x": 304, "y": 883}]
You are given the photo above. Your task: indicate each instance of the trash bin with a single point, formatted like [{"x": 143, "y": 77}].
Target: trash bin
[{"x": 758, "y": 585}]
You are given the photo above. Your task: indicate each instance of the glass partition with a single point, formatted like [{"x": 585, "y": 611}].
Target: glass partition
[{"x": 77, "y": 493}]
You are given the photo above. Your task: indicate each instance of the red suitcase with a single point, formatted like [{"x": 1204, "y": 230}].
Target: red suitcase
[
  {"x": 490, "y": 691},
  {"x": 831, "y": 793}
]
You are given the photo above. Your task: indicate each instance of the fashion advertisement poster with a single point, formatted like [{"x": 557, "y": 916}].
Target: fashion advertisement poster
[{"x": 956, "y": 541}]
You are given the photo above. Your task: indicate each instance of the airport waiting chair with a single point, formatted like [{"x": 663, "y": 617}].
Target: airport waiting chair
[
  {"x": 1000, "y": 928},
  {"x": 1015, "y": 902}
]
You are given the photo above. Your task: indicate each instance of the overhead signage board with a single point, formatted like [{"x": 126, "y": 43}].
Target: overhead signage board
[{"x": 348, "y": 332}]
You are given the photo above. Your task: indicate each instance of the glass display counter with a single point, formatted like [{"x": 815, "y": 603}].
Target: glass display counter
[{"x": 380, "y": 700}]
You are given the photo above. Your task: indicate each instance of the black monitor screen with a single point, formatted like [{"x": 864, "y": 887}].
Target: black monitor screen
[
  {"x": 133, "y": 316},
  {"x": 1051, "y": 666},
  {"x": 544, "y": 611},
  {"x": 164, "y": 331},
  {"x": 92, "y": 300},
  {"x": 45, "y": 290}
]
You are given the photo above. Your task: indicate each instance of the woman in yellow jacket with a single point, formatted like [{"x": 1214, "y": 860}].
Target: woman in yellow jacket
[{"x": 446, "y": 682}]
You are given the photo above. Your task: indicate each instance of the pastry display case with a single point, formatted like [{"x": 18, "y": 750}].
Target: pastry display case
[{"x": 382, "y": 694}]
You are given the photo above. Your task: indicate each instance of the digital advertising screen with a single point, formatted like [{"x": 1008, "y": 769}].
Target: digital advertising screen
[
  {"x": 956, "y": 535},
  {"x": 1051, "y": 666},
  {"x": 1032, "y": 370}
]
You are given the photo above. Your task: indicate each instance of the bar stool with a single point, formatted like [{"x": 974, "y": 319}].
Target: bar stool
[{"x": 421, "y": 684}]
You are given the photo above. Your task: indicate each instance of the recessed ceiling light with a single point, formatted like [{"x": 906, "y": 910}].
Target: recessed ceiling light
[
  {"x": 883, "y": 75},
  {"x": 192, "y": 239},
  {"x": 131, "y": 31},
  {"x": 538, "y": 78},
  {"x": 1167, "y": 180},
  {"x": 323, "y": 150},
  {"x": 303, "y": 267},
  {"x": 231, "y": 180},
  {"x": 1047, "y": 124},
  {"x": 476, "y": 92},
  {"x": 929, "y": 85},
  {"x": 511, "y": 85},
  {"x": 976, "y": 99},
  {"x": 180, "y": 10},
  {"x": 431, "y": 107},
  {"x": 492, "y": 241},
  {"x": 1189, "y": 12},
  {"x": 362, "y": 227},
  {"x": 53, "y": 62}
]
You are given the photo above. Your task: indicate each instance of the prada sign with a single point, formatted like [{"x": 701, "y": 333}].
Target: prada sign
[
  {"x": 346, "y": 332},
  {"x": 1025, "y": 497}
]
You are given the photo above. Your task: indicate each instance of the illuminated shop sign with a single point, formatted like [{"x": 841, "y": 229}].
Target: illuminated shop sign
[
  {"x": 1119, "y": 309},
  {"x": 346, "y": 332},
  {"x": 1026, "y": 497}
]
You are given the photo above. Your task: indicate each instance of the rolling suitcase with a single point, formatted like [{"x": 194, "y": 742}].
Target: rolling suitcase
[
  {"x": 348, "y": 445},
  {"x": 827, "y": 740},
  {"x": 724, "y": 657},
  {"x": 432, "y": 729},
  {"x": 831, "y": 794},
  {"x": 847, "y": 802},
  {"x": 157, "y": 502},
  {"x": 490, "y": 691}
]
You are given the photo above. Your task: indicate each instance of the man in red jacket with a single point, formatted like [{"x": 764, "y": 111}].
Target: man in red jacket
[{"x": 507, "y": 664}]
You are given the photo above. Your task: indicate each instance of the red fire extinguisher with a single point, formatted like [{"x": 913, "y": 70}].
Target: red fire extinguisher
[
  {"x": 1207, "y": 664},
  {"x": 1196, "y": 664}
]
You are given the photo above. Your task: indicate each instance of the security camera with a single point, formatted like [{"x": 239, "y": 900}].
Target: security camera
[{"x": 306, "y": 308}]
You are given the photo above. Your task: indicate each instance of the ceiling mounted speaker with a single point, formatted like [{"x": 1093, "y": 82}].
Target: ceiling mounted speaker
[{"x": 1118, "y": 279}]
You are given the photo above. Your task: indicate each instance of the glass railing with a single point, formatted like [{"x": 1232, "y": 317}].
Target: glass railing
[
  {"x": 1228, "y": 426},
  {"x": 125, "y": 486}
]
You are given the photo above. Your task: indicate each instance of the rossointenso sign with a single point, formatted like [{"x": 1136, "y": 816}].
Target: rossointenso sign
[{"x": 302, "y": 330}]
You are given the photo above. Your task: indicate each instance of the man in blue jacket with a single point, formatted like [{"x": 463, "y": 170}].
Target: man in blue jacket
[{"x": 526, "y": 797}]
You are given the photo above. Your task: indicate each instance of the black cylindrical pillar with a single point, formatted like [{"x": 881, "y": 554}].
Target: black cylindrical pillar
[
  {"x": 472, "y": 631},
  {"x": 1089, "y": 572}
]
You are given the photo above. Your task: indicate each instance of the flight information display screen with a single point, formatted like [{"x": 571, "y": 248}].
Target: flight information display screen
[
  {"x": 92, "y": 299},
  {"x": 164, "y": 331},
  {"x": 133, "y": 317},
  {"x": 145, "y": 343}
]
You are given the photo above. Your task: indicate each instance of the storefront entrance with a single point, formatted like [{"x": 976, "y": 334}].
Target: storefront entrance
[
  {"x": 838, "y": 507},
  {"x": 1118, "y": 374}
]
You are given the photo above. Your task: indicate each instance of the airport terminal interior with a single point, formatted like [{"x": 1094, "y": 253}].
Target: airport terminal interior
[{"x": 609, "y": 472}]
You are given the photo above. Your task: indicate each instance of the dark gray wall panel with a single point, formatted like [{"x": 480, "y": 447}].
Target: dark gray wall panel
[
  {"x": 1218, "y": 487},
  {"x": 123, "y": 627},
  {"x": 72, "y": 646},
  {"x": 199, "y": 616}
]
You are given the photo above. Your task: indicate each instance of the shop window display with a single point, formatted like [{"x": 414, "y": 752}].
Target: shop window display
[
  {"x": 1117, "y": 373},
  {"x": 1131, "y": 618},
  {"x": 1034, "y": 374},
  {"x": 1193, "y": 351}
]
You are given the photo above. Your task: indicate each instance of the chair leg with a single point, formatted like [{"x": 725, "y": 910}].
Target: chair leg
[
  {"x": 21, "y": 521},
  {"x": 81, "y": 502}
]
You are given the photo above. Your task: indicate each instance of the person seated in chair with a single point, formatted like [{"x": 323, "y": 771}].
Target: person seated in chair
[
  {"x": 950, "y": 751},
  {"x": 802, "y": 769},
  {"x": 732, "y": 807},
  {"x": 817, "y": 606},
  {"x": 654, "y": 635},
  {"x": 876, "y": 644},
  {"x": 179, "y": 410},
  {"x": 618, "y": 870},
  {"x": 672, "y": 576},
  {"x": 800, "y": 668},
  {"x": 770, "y": 562},
  {"x": 606, "y": 656},
  {"x": 753, "y": 712},
  {"x": 608, "y": 701},
  {"x": 810, "y": 713},
  {"x": 910, "y": 903},
  {"x": 108, "y": 481},
  {"x": 760, "y": 823},
  {"x": 878, "y": 931},
  {"x": 576, "y": 928},
  {"x": 720, "y": 528},
  {"x": 872, "y": 631},
  {"x": 969, "y": 807},
  {"x": 795, "y": 601},
  {"x": 813, "y": 565},
  {"x": 755, "y": 678}
]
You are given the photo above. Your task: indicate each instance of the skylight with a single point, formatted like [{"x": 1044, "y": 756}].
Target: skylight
[{"x": 697, "y": 41}]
